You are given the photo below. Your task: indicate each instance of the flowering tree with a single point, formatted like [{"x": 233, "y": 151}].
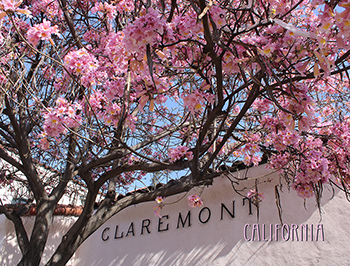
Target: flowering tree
[{"x": 95, "y": 95}]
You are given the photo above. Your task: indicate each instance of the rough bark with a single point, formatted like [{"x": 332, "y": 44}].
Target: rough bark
[{"x": 42, "y": 224}]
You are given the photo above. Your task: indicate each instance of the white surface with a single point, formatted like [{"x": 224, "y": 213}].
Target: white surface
[
  {"x": 217, "y": 242},
  {"x": 10, "y": 253}
]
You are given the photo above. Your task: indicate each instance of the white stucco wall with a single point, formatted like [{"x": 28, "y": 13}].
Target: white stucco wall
[
  {"x": 10, "y": 253},
  {"x": 218, "y": 241}
]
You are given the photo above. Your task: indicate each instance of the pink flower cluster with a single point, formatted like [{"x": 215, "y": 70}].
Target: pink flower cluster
[
  {"x": 53, "y": 124},
  {"x": 304, "y": 190},
  {"x": 342, "y": 19},
  {"x": 218, "y": 16},
  {"x": 80, "y": 62},
  {"x": 125, "y": 6},
  {"x": 63, "y": 114},
  {"x": 111, "y": 116},
  {"x": 194, "y": 201},
  {"x": 262, "y": 105},
  {"x": 115, "y": 50},
  {"x": 49, "y": 7},
  {"x": 130, "y": 122},
  {"x": 179, "y": 153},
  {"x": 145, "y": 30},
  {"x": 251, "y": 151},
  {"x": 42, "y": 31},
  {"x": 109, "y": 10},
  {"x": 12, "y": 6},
  {"x": 104, "y": 108},
  {"x": 311, "y": 164},
  {"x": 187, "y": 26},
  {"x": 196, "y": 100},
  {"x": 302, "y": 107}
]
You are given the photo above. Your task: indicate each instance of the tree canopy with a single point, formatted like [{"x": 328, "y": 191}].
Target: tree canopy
[{"x": 98, "y": 95}]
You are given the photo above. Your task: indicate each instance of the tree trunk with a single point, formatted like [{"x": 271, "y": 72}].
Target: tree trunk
[
  {"x": 39, "y": 235},
  {"x": 62, "y": 254}
]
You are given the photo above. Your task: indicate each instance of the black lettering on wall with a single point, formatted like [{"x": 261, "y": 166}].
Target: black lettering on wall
[
  {"x": 145, "y": 226},
  {"x": 223, "y": 207},
  {"x": 250, "y": 205},
  {"x": 130, "y": 230},
  {"x": 160, "y": 222},
  {"x": 188, "y": 216},
  {"x": 103, "y": 233},
  {"x": 116, "y": 233},
  {"x": 200, "y": 215}
]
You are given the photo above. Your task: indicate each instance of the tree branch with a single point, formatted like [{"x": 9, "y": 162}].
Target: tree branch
[{"x": 21, "y": 233}]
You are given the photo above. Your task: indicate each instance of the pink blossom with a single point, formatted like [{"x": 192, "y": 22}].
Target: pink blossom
[
  {"x": 12, "y": 6},
  {"x": 113, "y": 109},
  {"x": 194, "y": 201},
  {"x": 304, "y": 123},
  {"x": 62, "y": 116},
  {"x": 218, "y": 15},
  {"x": 80, "y": 62},
  {"x": 130, "y": 121},
  {"x": 262, "y": 104},
  {"x": 252, "y": 194},
  {"x": 116, "y": 51},
  {"x": 43, "y": 141},
  {"x": 256, "y": 160},
  {"x": 145, "y": 30},
  {"x": 187, "y": 26},
  {"x": 132, "y": 159},
  {"x": 61, "y": 102},
  {"x": 114, "y": 88},
  {"x": 109, "y": 10},
  {"x": 303, "y": 190},
  {"x": 42, "y": 31},
  {"x": 125, "y": 6},
  {"x": 196, "y": 100},
  {"x": 53, "y": 124},
  {"x": 180, "y": 152},
  {"x": 267, "y": 50},
  {"x": 288, "y": 120},
  {"x": 49, "y": 7},
  {"x": 157, "y": 211},
  {"x": 290, "y": 138},
  {"x": 292, "y": 28},
  {"x": 159, "y": 200}
]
